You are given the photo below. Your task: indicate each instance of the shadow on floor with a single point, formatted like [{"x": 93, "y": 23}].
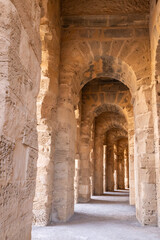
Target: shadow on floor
[
  {"x": 83, "y": 218},
  {"x": 113, "y": 202},
  {"x": 109, "y": 199},
  {"x": 118, "y": 193},
  {"x": 106, "y": 217}
]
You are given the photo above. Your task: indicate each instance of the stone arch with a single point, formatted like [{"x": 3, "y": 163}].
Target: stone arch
[
  {"x": 117, "y": 133},
  {"x": 82, "y": 61},
  {"x": 116, "y": 143},
  {"x": 98, "y": 105},
  {"x": 99, "y": 100},
  {"x": 108, "y": 120},
  {"x": 105, "y": 123},
  {"x": 85, "y": 60},
  {"x": 112, "y": 67},
  {"x": 124, "y": 111},
  {"x": 112, "y": 108},
  {"x": 98, "y": 110},
  {"x": 99, "y": 67}
]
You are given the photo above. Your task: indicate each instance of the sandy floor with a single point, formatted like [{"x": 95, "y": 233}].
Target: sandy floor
[{"x": 107, "y": 217}]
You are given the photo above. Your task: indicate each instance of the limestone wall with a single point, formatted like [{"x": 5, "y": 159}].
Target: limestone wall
[{"x": 20, "y": 75}]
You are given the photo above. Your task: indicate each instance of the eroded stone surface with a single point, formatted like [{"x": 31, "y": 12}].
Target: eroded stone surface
[{"x": 97, "y": 7}]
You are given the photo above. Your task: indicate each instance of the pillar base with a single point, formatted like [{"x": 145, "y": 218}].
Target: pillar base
[
  {"x": 62, "y": 215},
  {"x": 84, "y": 195},
  {"x": 84, "y": 199},
  {"x": 146, "y": 211}
]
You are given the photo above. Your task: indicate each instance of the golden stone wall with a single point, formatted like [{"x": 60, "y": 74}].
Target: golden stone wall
[{"x": 20, "y": 75}]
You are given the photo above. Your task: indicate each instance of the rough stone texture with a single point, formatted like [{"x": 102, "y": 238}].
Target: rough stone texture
[
  {"x": 20, "y": 57},
  {"x": 98, "y": 53},
  {"x": 105, "y": 7},
  {"x": 139, "y": 22},
  {"x": 46, "y": 110},
  {"x": 155, "y": 57},
  {"x": 64, "y": 157},
  {"x": 145, "y": 177}
]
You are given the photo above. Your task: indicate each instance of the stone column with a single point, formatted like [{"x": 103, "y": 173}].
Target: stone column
[
  {"x": 98, "y": 181},
  {"x": 76, "y": 178},
  {"x": 77, "y": 157},
  {"x": 64, "y": 159},
  {"x": 46, "y": 111},
  {"x": 115, "y": 168},
  {"x": 92, "y": 162},
  {"x": 110, "y": 167},
  {"x": 155, "y": 60},
  {"x": 120, "y": 160},
  {"x": 156, "y": 114},
  {"x": 126, "y": 160},
  {"x": 84, "y": 177},
  {"x": 104, "y": 167},
  {"x": 131, "y": 167},
  {"x": 145, "y": 179}
]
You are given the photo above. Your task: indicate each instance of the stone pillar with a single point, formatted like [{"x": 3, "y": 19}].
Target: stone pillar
[
  {"x": 64, "y": 159},
  {"x": 98, "y": 181},
  {"x": 104, "y": 167},
  {"x": 46, "y": 111},
  {"x": 131, "y": 167},
  {"x": 156, "y": 114},
  {"x": 155, "y": 60},
  {"x": 76, "y": 178},
  {"x": 110, "y": 167},
  {"x": 115, "y": 168},
  {"x": 120, "y": 160},
  {"x": 77, "y": 157},
  {"x": 84, "y": 177},
  {"x": 92, "y": 160},
  {"x": 126, "y": 166},
  {"x": 145, "y": 179}
]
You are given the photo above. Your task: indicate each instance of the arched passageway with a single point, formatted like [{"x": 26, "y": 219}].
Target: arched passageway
[{"x": 79, "y": 115}]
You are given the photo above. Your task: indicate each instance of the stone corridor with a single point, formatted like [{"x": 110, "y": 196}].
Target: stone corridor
[
  {"x": 107, "y": 217},
  {"x": 79, "y": 117}
]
